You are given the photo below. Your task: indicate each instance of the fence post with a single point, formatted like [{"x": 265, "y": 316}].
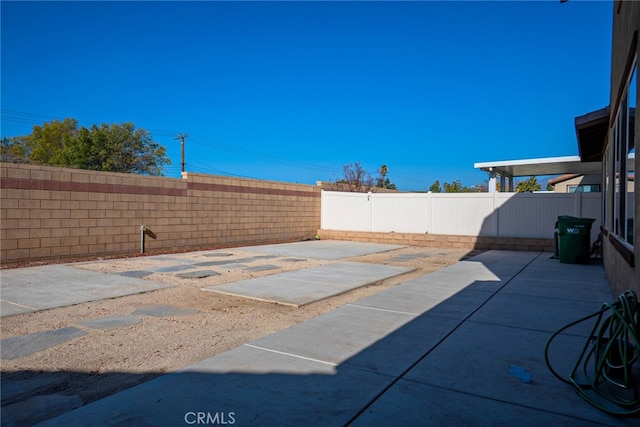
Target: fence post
[
  {"x": 429, "y": 212},
  {"x": 369, "y": 196},
  {"x": 496, "y": 211}
]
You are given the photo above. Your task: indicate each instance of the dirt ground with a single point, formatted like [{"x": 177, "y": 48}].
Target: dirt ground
[{"x": 104, "y": 362}]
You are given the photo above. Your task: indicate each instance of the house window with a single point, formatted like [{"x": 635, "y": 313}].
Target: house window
[
  {"x": 583, "y": 188},
  {"x": 619, "y": 170}
]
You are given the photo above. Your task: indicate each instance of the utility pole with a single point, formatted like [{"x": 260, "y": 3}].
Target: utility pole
[{"x": 181, "y": 137}]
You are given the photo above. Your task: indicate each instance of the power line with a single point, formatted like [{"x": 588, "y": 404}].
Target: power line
[
  {"x": 202, "y": 141},
  {"x": 35, "y": 119},
  {"x": 216, "y": 145},
  {"x": 199, "y": 167},
  {"x": 25, "y": 117}
]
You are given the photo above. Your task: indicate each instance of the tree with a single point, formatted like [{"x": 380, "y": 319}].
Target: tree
[
  {"x": 13, "y": 150},
  {"x": 454, "y": 187},
  {"x": 355, "y": 178},
  {"x": 383, "y": 181},
  {"x": 116, "y": 148},
  {"x": 47, "y": 142},
  {"x": 112, "y": 148},
  {"x": 383, "y": 171},
  {"x": 435, "y": 187},
  {"x": 529, "y": 185}
]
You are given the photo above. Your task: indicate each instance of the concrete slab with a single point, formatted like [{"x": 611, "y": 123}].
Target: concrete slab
[
  {"x": 562, "y": 289},
  {"x": 222, "y": 263},
  {"x": 461, "y": 275},
  {"x": 164, "y": 311},
  {"x": 265, "y": 267},
  {"x": 199, "y": 274},
  {"x": 475, "y": 359},
  {"x": 229, "y": 267},
  {"x": 244, "y": 386},
  {"x": 172, "y": 268},
  {"x": 257, "y": 257},
  {"x": 461, "y": 305},
  {"x": 14, "y": 390},
  {"x": 409, "y": 403},
  {"x": 23, "y": 345},
  {"x": 456, "y": 281},
  {"x": 38, "y": 408},
  {"x": 302, "y": 287},
  {"x": 375, "y": 340},
  {"x": 9, "y": 309},
  {"x": 38, "y": 288},
  {"x": 517, "y": 258},
  {"x": 112, "y": 322},
  {"x": 418, "y": 299},
  {"x": 429, "y": 351},
  {"x": 323, "y": 249},
  {"x": 539, "y": 313},
  {"x": 545, "y": 268},
  {"x": 218, "y": 263},
  {"x": 485, "y": 272}
]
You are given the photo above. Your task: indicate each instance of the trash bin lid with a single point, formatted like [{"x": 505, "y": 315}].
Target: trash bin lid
[
  {"x": 565, "y": 218},
  {"x": 568, "y": 218}
]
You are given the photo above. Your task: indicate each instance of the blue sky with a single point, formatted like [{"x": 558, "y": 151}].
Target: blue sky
[{"x": 292, "y": 91}]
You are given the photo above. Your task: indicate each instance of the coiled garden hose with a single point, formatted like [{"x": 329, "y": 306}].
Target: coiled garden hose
[{"x": 607, "y": 358}]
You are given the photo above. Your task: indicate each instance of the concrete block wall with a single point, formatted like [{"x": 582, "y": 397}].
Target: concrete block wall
[
  {"x": 56, "y": 213},
  {"x": 442, "y": 240}
]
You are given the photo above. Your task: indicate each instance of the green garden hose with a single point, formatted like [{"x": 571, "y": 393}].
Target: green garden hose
[{"x": 608, "y": 357}]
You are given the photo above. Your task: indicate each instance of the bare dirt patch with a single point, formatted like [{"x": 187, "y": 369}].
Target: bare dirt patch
[{"x": 106, "y": 361}]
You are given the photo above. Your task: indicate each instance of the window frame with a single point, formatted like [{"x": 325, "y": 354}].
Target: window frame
[
  {"x": 621, "y": 221},
  {"x": 576, "y": 188}
]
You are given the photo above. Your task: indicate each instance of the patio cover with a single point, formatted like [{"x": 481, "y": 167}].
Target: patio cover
[
  {"x": 591, "y": 133},
  {"x": 539, "y": 167}
]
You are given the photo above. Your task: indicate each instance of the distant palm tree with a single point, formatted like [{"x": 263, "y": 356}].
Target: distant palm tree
[
  {"x": 383, "y": 181},
  {"x": 384, "y": 170}
]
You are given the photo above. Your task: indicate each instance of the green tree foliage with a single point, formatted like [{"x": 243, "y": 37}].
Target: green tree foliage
[
  {"x": 454, "y": 187},
  {"x": 529, "y": 185},
  {"x": 48, "y": 142},
  {"x": 112, "y": 148},
  {"x": 13, "y": 150}
]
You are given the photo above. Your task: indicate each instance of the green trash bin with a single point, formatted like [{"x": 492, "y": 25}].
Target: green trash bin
[{"x": 574, "y": 236}]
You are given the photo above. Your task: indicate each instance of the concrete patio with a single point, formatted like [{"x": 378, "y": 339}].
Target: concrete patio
[{"x": 447, "y": 348}]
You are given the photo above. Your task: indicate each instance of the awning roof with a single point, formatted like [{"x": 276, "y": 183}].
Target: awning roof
[
  {"x": 591, "y": 131},
  {"x": 541, "y": 167}
]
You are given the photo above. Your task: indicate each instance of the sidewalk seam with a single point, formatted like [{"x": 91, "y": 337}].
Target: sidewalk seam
[{"x": 291, "y": 355}]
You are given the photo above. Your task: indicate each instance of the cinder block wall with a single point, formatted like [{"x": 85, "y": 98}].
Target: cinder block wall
[
  {"x": 443, "y": 240},
  {"x": 55, "y": 213}
]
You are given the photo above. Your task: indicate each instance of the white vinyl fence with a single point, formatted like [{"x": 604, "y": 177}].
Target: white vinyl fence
[{"x": 529, "y": 215}]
